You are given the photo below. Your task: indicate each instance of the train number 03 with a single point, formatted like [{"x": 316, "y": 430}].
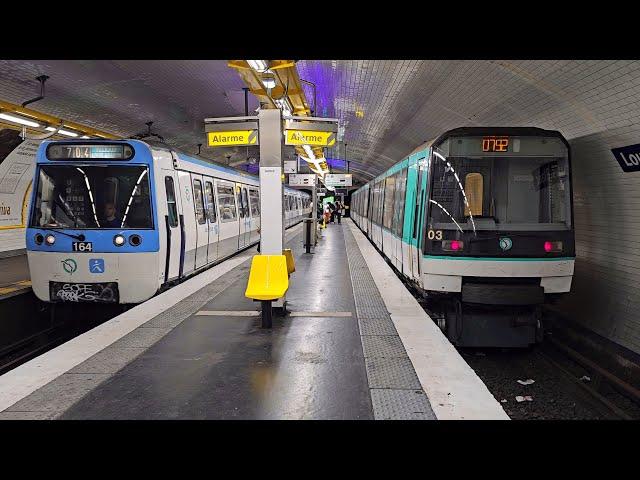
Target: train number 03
[{"x": 434, "y": 235}]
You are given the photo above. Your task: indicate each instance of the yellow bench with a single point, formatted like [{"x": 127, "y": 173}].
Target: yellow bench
[{"x": 268, "y": 278}]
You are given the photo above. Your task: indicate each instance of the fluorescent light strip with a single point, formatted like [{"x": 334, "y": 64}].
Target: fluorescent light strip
[
  {"x": 258, "y": 65},
  {"x": 20, "y": 120},
  {"x": 62, "y": 132}
]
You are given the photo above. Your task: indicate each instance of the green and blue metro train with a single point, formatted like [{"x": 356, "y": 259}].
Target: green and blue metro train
[{"x": 480, "y": 220}]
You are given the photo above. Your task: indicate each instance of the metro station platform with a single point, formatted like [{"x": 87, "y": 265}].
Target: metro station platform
[{"x": 354, "y": 345}]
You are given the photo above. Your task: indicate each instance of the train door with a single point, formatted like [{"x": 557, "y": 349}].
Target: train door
[
  {"x": 212, "y": 219},
  {"x": 188, "y": 223},
  {"x": 202, "y": 228},
  {"x": 172, "y": 226},
  {"x": 227, "y": 218},
  {"x": 417, "y": 224}
]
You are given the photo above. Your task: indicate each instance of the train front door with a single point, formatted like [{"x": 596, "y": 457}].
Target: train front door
[{"x": 172, "y": 225}]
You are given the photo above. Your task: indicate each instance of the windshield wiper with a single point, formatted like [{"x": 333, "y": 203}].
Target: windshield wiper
[{"x": 80, "y": 237}]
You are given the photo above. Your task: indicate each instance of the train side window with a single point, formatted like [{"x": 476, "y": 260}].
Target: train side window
[
  {"x": 473, "y": 188},
  {"x": 226, "y": 203},
  {"x": 199, "y": 202},
  {"x": 172, "y": 208},
  {"x": 240, "y": 203},
  {"x": 211, "y": 206},
  {"x": 245, "y": 202},
  {"x": 389, "y": 198},
  {"x": 401, "y": 189},
  {"x": 254, "y": 197},
  {"x": 380, "y": 202},
  {"x": 416, "y": 213}
]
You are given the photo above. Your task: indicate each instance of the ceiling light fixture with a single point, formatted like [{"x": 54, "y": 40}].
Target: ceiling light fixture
[
  {"x": 20, "y": 120},
  {"x": 269, "y": 82},
  {"x": 258, "y": 65},
  {"x": 62, "y": 132}
]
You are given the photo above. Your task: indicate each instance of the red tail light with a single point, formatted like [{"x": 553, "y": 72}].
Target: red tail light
[
  {"x": 550, "y": 247},
  {"x": 452, "y": 245}
]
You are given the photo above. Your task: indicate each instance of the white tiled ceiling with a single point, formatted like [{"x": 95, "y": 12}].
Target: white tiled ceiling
[
  {"x": 121, "y": 96},
  {"x": 406, "y": 102},
  {"x": 403, "y": 102}
]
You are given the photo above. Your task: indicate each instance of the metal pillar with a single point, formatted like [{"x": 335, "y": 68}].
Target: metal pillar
[
  {"x": 271, "y": 197},
  {"x": 314, "y": 212},
  {"x": 271, "y": 191}
]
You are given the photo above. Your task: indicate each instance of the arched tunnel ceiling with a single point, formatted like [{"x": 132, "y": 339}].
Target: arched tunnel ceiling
[{"x": 388, "y": 107}]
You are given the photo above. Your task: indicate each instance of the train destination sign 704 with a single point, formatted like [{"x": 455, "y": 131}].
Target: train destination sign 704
[
  {"x": 310, "y": 137},
  {"x": 232, "y": 138}
]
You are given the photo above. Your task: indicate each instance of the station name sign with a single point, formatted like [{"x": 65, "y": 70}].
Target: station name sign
[
  {"x": 302, "y": 179},
  {"x": 310, "y": 137},
  {"x": 628, "y": 157},
  {"x": 232, "y": 138},
  {"x": 338, "y": 180}
]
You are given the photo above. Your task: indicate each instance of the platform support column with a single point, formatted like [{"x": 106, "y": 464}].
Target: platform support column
[
  {"x": 315, "y": 212},
  {"x": 271, "y": 190}
]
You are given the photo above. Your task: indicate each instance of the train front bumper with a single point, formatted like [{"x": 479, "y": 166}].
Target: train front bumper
[
  {"x": 445, "y": 275},
  {"x": 94, "y": 277}
]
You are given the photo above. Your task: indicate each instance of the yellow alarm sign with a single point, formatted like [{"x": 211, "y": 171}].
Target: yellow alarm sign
[
  {"x": 232, "y": 138},
  {"x": 310, "y": 137}
]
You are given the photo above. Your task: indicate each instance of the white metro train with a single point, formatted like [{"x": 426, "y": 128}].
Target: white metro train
[{"x": 118, "y": 221}]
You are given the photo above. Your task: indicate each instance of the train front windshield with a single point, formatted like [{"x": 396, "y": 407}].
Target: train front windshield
[
  {"x": 90, "y": 197},
  {"x": 525, "y": 190}
]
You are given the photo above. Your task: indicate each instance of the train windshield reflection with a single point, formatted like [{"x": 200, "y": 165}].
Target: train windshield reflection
[
  {"x": 500, "y": 193},
  {"x": 92, "y": 197}
]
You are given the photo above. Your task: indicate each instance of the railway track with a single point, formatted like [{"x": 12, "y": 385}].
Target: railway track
[
  {"x": 569, "y": 385},
  {"x": 27, "y": 348}
]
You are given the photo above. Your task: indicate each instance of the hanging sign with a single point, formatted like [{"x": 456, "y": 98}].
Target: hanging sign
[
  {"x": 302, "y": 179},
  {"x": 232, "y": 138},
  {"x": 310, "y": 137},
  {"x": 337, "y": 179}
]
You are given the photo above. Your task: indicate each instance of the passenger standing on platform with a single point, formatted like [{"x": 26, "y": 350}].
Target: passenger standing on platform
[
  {"x": 339, "y": 210},
  {"x": 332, "y": 209}
]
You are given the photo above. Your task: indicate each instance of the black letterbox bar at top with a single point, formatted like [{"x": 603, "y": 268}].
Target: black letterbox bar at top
[{"x": 628, "y": 157}]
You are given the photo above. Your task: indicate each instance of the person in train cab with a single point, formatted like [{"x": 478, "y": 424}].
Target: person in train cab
[{"x": 111, "y": 217}]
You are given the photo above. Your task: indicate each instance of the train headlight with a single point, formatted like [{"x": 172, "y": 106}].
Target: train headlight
[
  {"x": 452, "y": 245},
  {"x": 118, "y": 240},
  {"x": 39, "y": 239},
  {"x": 552, "y": 247},
  {"x": 50, "y": 239},
  {"x": 135, "y": 239}
]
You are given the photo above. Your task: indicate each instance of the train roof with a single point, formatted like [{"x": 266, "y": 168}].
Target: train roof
[{"x": 506, "y": 131}]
